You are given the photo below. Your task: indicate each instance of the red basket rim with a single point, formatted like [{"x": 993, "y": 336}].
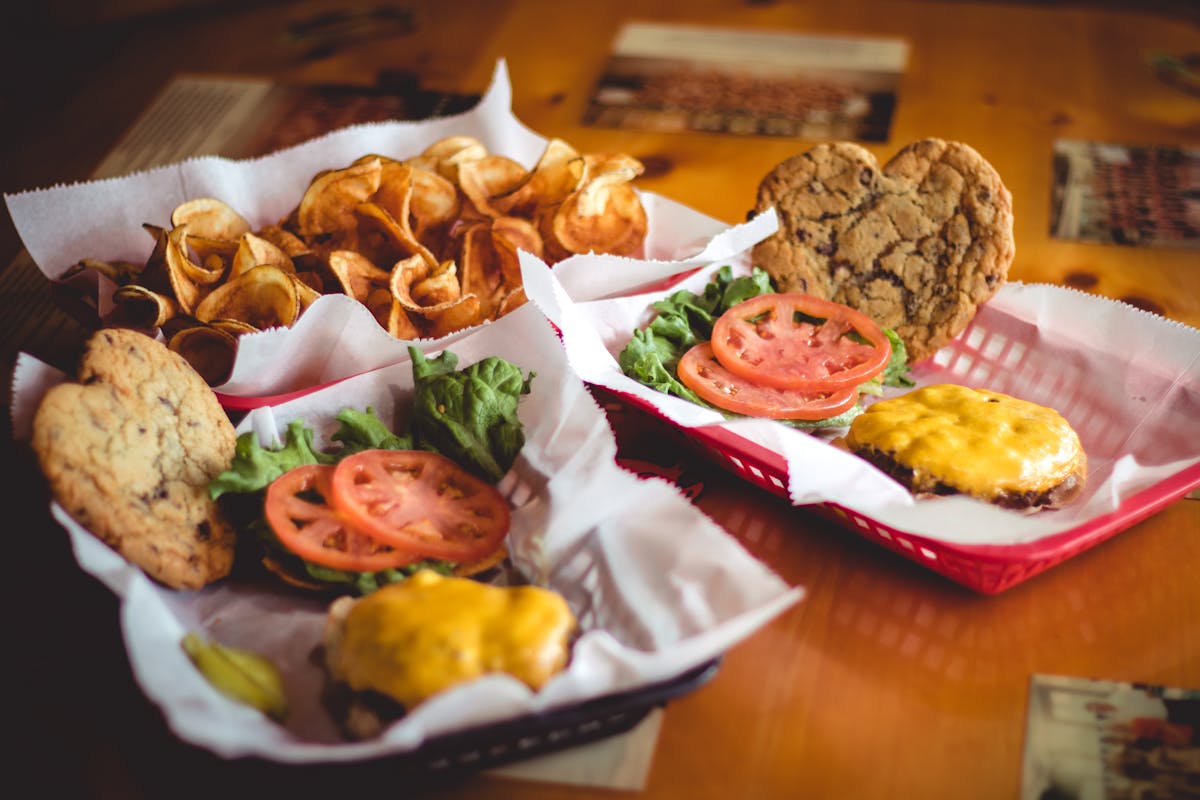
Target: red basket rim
[{"x": 1048, "y": 549}]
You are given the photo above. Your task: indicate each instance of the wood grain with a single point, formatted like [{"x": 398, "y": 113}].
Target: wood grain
[{"x": 886, "y": 681}]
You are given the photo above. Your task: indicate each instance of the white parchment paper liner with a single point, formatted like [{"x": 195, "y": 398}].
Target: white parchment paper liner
[
  {"x": 104, "y": 218},
  {"x": 1127, "y": 380},
  {"x": 659, "y": 587}
]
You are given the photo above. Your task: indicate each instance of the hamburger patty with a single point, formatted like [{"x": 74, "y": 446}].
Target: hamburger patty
[
  {"x": 949, "y": 439},
  {"x": 925, "y": 484}
]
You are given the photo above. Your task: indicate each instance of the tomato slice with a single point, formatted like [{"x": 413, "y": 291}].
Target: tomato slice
[
  {"x": 421, "y": 501},
  {"x": 797, "y": 341},
  {"x": 298, "y": 510},
  {"x": 700, "y": 371}
]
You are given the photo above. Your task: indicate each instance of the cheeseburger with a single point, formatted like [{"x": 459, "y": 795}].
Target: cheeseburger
[
  {"x": 400, "y": 645},
  {"x": 949, "y": 439}
]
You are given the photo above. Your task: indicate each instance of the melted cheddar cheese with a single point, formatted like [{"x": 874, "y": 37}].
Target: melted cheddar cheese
[
  {"x": 977, "y": 441},
  {"x": 413, "y": 639}
]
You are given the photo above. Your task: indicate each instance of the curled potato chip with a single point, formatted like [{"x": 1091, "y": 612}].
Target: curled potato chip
[
  {"x": 398, "y": 230},
  {"x": 265, "y": 297},
  {"x": 285, "y": 240},
  {"x": 446, "y": 155},
  {"x": 357, "y": 274},
  {"x": 419, "y": 285},
  {"x": 489, "y": 177},
  {"x": 214, "y": 254},
  {"x": 481, "y": 273},
  {"x": 210, "y": 218},
  {"x": 304, "y": 257},
  {"x": 189, "y": 280},
  {"x": 424, "y": 295},
  {"x": 205, "y": 272},
  {"x": 394, "y": 193},
  {"x": 210, "y": 350},
  {"x": 397, "y": 320},
  {"x": 419, "y": 204},
  {"x": 330, "y": 202},
  {"x": 491, "y": 271},
  {"x": 135, "y": 306},
  {"x": 512, "y": 300},
  {"x": 604, "y": 215},
  {"x": 155, "y": 275},
  {"x": 306, "y": 294},
  {"x": 510, "y": 234},
  {"x": 434, "y": 203},
  {"x": 455, "y": 315},
  {"x": 553, "y": 178},
  {"x": 253, "y": 251},
  {"x": 518, "y": 233},
  {"x": 234, "y": 327}
]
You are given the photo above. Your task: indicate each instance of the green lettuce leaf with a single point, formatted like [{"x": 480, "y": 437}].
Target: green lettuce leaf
[
  {"x": 364, "y": 430},
  {"x": 254, "y": 466},
  {"x": 469, "y": 415},
  {"x": 685, "y": 319}
]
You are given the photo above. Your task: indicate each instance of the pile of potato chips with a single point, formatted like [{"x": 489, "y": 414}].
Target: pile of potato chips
[{"x": 428, "y": 244}]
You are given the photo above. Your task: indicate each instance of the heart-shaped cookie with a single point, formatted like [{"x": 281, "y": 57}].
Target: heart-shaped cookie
[
  {"x": 917, "y": 245},
  {"x": 129, "y": 450}
]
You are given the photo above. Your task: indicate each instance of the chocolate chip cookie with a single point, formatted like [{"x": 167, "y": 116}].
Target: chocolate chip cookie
[
  {"x": 128, "y": 451},
  {"x": 917, "y": 245}
]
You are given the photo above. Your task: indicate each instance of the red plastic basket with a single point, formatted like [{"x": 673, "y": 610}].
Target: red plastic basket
[{"x": 988, "y": 569}]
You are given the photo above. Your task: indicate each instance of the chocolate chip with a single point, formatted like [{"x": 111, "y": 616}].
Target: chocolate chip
[{"x": 830, "y": 247}]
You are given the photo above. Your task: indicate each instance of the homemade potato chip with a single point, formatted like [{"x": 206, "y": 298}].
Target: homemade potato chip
[
  {"x": 555, "y": 176},
  {"x": 253, "y": 251},
  {"x": 492, "y": 176},
  {"x": 446, "y": 155},
  {"x": 329, "y": 205},
  {"x": 431, "y": 298},
  {"x": 265, "y": 297},
  {"x": 603, "y": 215},
  {"x": 138, "y": 307},
  {"x": 209, "y": 349},
  {"x": 210, "y": 218},
  {"x": 428, "y": 243}
]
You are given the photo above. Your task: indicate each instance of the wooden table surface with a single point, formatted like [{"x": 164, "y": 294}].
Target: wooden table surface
[{"x": 887, "y": 680}]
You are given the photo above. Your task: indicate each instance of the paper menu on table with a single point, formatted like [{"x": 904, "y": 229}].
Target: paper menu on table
[
  {"x": 696, "y": 78},
  {"x": 1100, "y": 739}
]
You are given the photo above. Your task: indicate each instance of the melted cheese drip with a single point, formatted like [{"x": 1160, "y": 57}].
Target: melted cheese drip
[
  {"x": 415, "y": 638},
  {"x": 980, "y": 442}
]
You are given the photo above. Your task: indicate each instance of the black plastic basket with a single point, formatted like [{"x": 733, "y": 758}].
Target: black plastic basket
[{"x": 537, "y": 734}]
